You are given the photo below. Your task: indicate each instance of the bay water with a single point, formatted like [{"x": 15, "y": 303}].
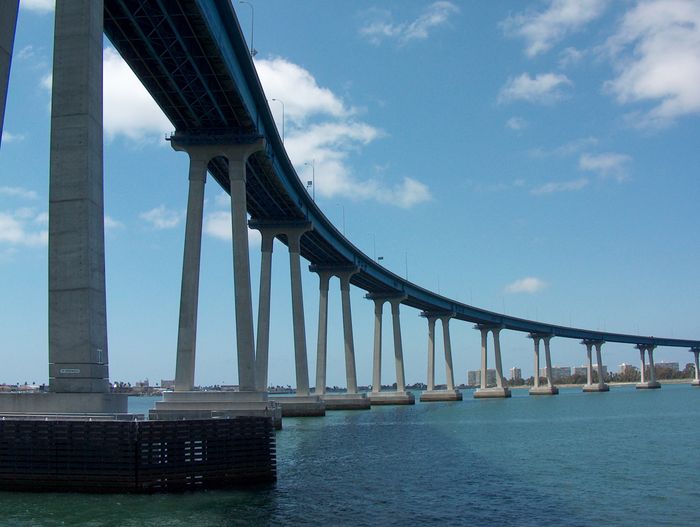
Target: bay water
[{"x": 627, "y": 457}]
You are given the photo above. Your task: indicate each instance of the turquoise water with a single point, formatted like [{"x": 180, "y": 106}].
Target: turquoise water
[{"x": 625, "y": 457}]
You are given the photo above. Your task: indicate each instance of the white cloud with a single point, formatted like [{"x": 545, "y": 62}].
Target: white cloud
[
  {"x": 46, "y": 82},
  {"x": 567, "y": 149},
  {"x": 516, "y": 123},
  {"x": 129, "y": 110},
  {"x": 38, "y": 6},
  {"x": 26, "y": 53},
  {"x": 8, "y": 137},
  {"x": 162, "y": 218},
  {"x": 112, "y": 224},
  {"x": 217, "y": 224},
  {"x": 321, "y": 128},
  {"x": 543, "y": 29},
  {"x": 23, "y": 227},
  {"x": 382, "y": 27},
  {"x": 560, "y": 186},
  {"x": 18, "y": 192},
  {"x": 606, "y": 165},
  {"x": 656, "y": 51},
  {"x": 526, "y": 285},
  {"x": 543, "y": 88},
  {"x": 570, "y": 56}
]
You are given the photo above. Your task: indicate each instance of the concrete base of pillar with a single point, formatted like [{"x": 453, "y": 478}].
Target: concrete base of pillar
[
  {"x": 596, "y": 388},
  {"x": 301, "y": 405},
  {"x": 492, "y": 393},
  {"x": 440, "y": 395},
  {"x": 63, "y": 403},
  {"x": 208, "y": 405},
  {"x": 346, "y": 401},
  {"x": 544, "y": 390},
  {"x": 389, "y": 398},
  {"x": 695, "y": 383},
  {"x": 648, "y": 385}
]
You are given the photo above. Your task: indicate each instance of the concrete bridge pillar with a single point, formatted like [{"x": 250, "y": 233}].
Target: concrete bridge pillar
[
  {"x": 189, "y": 288},
  {"x": 499, "y": 391},
  {"x": 262, "y": 342},
  {"x": 449, "y": 393},
  {"x": 8, "y": 24},
  {"x": 537, "y": 389},
  {"x": 600, "y": 386},
  {"x": 400, "y": 396},
  {"x": 651, "y": 382},
  {"x": 350, "y": 400},
  {"x": 696, "y": 352}
]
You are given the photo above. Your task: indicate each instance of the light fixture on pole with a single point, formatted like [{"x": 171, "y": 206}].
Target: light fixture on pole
[
  {"x": 282, "y": 103},
  {"x": 312, "y": 183},
  {"x": 253, "y": 51}
]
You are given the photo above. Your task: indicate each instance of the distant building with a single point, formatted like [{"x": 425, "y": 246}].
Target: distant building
[
  {"x": 167, "y": 384},
  {"x": 628, "y": 368},
  {"x": 558, "y": 372},
  {"x": 474, "y": 377},
  {"x": 582, "y": 370},
  {"x": 516, "y": 374},
  {"x": 670, "y": 366}
]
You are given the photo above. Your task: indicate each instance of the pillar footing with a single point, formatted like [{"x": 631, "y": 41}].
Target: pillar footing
[
  {"x": 63, "y": 403},
  {"x": 440, "y": 395},
  {"x": 649, "y": 385},
  {"x": 207, "y": 405},
  {"x": 301, "y": 405},
  {"x": 589, "y": 388},
  {"x": 390, "y": 398},
  {"x": 346, "y": 401},
  {"x": 492, "y": 393},
  {"x": 544, "y": 390},
  {"x": 695, "y": 383}
]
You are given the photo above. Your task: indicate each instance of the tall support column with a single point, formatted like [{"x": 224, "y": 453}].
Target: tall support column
[
  {"x": 696, "y": 352},
  {"x": 262, "y": 342},
  {"x": 538, "y": 389},
  {"x": 497, "y": 351},
  {"x": 322, "y": 341},
  {"x": 589, "y": 365},
  {"x": 652, "y": 372},
  {"x": 78, "y": 355},
  {"x": 189, "y": 289},
  {"x": 398, "y": 345},
  {"x": 600, "y": 386},
  {"x": 449, "y": 373},
  {"x": 431, "y": 353},
  {"x": 377, "y": 356},
  {"x": 350, "y": 371},
  {"x": 536, "y": 341},
  {"x": 642, "y": 366},
  {"x": 599, "y": 361},
  {"x": 484, "y": 355},
  {"x": 8, "y": 24},
  {"x": 300, "y": 360},
  {"x": 237, "y": 159}
]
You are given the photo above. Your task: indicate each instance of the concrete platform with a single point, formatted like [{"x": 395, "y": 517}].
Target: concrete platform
[
  {"x": 63, "y": 403},
  {"x": 389, "y": 398},
  {"x": 544, "y": 390},
  {"x": 213, "y": 404},
  {"x": 648, "y": 385},
  {"x": 346, "y": 401},
  {"x": 589, "y": 388},
  {"x": 429, "y": 396},
  {"x": 695, "y": 383},
  {"x": 301, "y": 405},
  {"x": 492, "y": 393}
]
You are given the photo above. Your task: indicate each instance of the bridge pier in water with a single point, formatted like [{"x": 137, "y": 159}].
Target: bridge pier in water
[
  {"x": 184, "y": 402},
  {"x": 600, "y": 386},
  {"x": 696, "y": 352},
  {"x": 449, "y": 393},
  {"x": 351, "y": 399},
  {"x": 379, "y": 396},
  {"x": 549, "y": 388},
  {"x": 651, "y": 383},
  {"x": 499, "y": 391}
]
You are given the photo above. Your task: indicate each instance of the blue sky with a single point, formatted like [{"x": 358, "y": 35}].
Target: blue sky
[{"x": 536, "y": 158}]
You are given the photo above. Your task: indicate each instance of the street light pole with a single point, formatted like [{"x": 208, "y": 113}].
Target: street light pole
[
  {"x": 313, "y": 178},
  {"x": 253, "y": 51},
  {"x": 282, "y": 103}
]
